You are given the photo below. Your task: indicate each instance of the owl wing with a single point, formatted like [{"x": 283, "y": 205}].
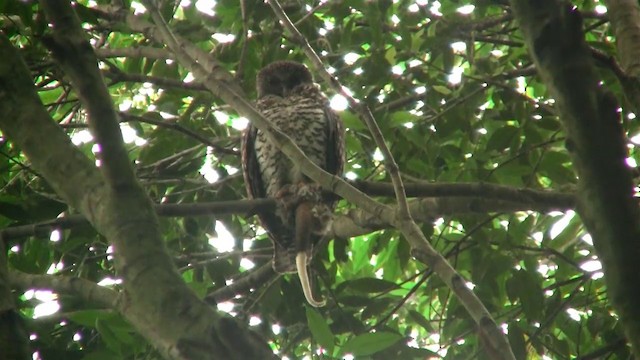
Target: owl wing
[
  {"x": 335, "y": 155},
  {"x": 250, "y": 166},
  {"x": 281, "y": 236}
]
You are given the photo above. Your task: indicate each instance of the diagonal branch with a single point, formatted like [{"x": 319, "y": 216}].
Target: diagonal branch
[
  {"x": 79, "y": 62},
  {"x": 252, "y": 279},
  {"x": 87, "y": 290}
]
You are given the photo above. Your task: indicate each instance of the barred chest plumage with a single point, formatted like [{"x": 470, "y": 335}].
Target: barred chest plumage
[{"x": 303, "y": 119}]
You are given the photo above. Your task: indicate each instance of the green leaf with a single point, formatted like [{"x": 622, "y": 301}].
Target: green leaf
[
  {"x": 320, "y": 329},
  {"x": 370, "y": 343},
  {"x": 442, "y": 89},
  {"x": 351, "y": 121},
  {"x": 86, "y": 317},
  {"x": 517, "y": 341},
  {"x": 502, "y": 138},
  {"x": 108, "y": 336},
  {"x": 526, "y": 286}
]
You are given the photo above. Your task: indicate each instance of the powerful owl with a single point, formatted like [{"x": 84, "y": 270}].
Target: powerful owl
[{"x": 289, "y": 99}]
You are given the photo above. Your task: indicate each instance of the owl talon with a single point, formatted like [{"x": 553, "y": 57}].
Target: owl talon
[
  {"x": 285, "y": 191},
  {"x": 309, "y": 192}
]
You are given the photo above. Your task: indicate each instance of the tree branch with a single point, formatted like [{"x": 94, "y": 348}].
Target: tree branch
[
  {"x": 480, "y": 190},
  {"x": 116, "y": 75},
  {"x": 253, "y": 279},
  {"x": 435, "y": 200},
  {"x": 624, "y": 16},
  {"x": 86, "y": 290}
]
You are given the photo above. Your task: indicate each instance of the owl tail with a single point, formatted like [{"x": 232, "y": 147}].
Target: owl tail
[{"x": 284, "y": 259}]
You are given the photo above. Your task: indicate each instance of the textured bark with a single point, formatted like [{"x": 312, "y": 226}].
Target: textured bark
[
  {"x": 624, "y": 15},
  {"x": 553, "y": 32}
]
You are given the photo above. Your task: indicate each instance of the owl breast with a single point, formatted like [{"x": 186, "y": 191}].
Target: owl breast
[{"x": 304, "y": 121}]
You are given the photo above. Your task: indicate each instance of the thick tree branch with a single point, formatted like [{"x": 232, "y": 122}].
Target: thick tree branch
[
  {"x": 88, "y": 291},
  {"x": 624, "y": 15},
  {"x": 253, "y": 279},
  {"x": 172, "y": 320},
  {"x": 355, "y": 223},
  {"x": 596, "y": 142},
  {"x": 75, "y": 178}
]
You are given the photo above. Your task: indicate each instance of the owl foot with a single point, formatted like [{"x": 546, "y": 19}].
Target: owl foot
[
  {"x": 323, "y": 217},
  {"x": 309, "y": 192},
  {"x": 291, "y": 195}
]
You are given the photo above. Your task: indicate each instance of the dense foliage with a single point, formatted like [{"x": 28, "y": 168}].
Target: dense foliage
[{"x": 477, "y": 138}]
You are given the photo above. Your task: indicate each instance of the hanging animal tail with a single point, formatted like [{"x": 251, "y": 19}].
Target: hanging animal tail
[{"x": 305, "y": 221}]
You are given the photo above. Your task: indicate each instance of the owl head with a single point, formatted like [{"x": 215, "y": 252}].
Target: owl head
[{"x": 281, "y": 77}]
